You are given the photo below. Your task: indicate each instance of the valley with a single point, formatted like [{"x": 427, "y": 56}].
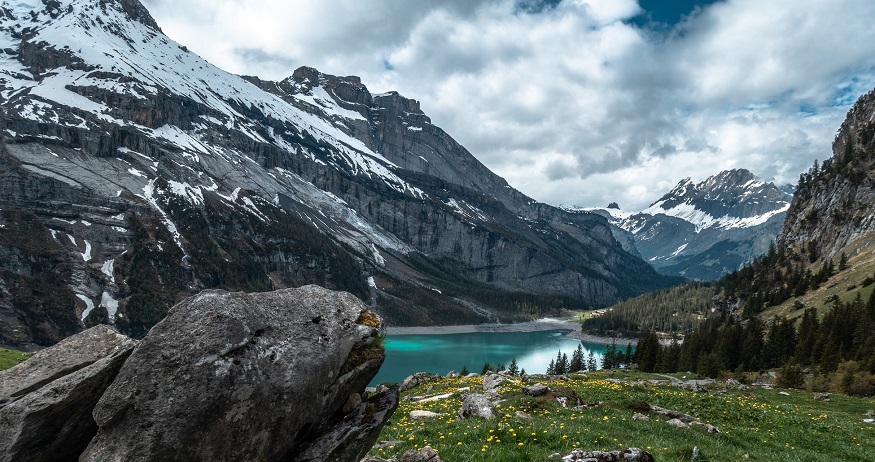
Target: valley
[{"x": 329, "y": 274}]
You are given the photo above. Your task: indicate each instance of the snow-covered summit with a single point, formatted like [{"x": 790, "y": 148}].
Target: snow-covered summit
[
  {"x": 731, "y": 199},
  {"x": 714, "y": 225}
]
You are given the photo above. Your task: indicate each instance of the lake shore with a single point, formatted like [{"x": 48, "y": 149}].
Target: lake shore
[{"x": 528, "y": 326}]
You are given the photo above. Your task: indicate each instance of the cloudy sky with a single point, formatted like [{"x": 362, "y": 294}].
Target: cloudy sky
[{"x": 576, "y": 102}]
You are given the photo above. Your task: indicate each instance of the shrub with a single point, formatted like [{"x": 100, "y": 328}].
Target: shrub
[{"x": 790, "y": 375}]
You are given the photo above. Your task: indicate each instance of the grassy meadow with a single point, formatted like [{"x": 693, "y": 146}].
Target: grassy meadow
[
  {"x": 9, "y": 358},
  {"x": 754, "y": 424}
]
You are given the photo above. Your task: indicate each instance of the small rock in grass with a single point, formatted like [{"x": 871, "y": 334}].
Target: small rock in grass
[
  {"x": 677, "y": 423},
  {"x": 535, "y": 390},
  {"x": 493, "y": 381},
  {"x": 420, "y": 414},
  {"x": 640, "y": 416},
  {"x": 477, "y": 405},
  {"x": 626, "y": 455},
  {"x": 426, "y": 454}
]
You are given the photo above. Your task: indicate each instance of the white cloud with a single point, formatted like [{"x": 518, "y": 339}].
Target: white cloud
[{"x": 571, "y": 104}]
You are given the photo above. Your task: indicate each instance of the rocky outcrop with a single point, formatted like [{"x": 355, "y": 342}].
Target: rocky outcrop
[
  {"x": 831, "y": 211},
  {"x": 234, "y": 376},
  {"x": 352, "y": 438},
  {"x": 226, "y": 376},
  {"x": 46, "y": 401}
]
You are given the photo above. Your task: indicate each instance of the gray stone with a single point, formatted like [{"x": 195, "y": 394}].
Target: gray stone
[
  {"x": 536, "y": 389},
  {"x": 419, "y": 414},
  {"x": 417, "y": 379},
  {"x": 426, "y": 454},
  {"x": 678, "y": 423},
  {"x": 626, "y": 455},
  {"x": 476, "y": 405},
  {"x": 234, "y": 376},
  {"x": 352, "y": 437},
  {"x": 640, "y": 416},
  {"x": 822, "y": 396},
  {"x": 522, "y": 415},
  {"x": 46, "y": 401},
  {"x": 493, "y": 381}
]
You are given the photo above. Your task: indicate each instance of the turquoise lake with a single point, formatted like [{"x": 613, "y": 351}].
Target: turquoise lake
[{"x": 406, "y": 354}]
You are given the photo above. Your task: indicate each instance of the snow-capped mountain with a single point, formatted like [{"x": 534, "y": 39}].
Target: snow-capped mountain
[
  {"x": 704, "y": 230},
  {"x": 135, "y": 173}
]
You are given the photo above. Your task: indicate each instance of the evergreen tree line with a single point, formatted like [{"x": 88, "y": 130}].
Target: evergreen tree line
[
  {"x": 777, "y": 276},
  {"x": 677, "y": 309},
  {"x": 612, "y": 359},
  {"x": 842, "y": 340}
]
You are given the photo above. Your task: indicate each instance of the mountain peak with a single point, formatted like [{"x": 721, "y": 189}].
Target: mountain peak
[
  {"x": 735, "y": 193},
  {"x": 135, "y": 11}
]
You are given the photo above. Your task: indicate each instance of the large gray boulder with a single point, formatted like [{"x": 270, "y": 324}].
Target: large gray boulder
[
  {"x": 477, "y": 405},
  {"x": 234, "y": 376},
  {"x": 46, "y": 401}
]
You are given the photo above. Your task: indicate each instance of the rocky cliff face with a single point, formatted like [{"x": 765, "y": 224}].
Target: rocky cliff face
[
  {"x": 225, "y": 376},
  {"x": 134, "y": 174},
  {"x": 705, "y": 230},
  {"x": 832, "y": 209}
]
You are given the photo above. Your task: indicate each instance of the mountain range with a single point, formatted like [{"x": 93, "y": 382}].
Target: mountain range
[
  {"x": 703, "y": 230},
  {"x": 133, "y": 173}
]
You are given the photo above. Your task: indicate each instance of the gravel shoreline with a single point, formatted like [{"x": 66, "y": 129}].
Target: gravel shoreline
[{"x": 529, "y": 326}]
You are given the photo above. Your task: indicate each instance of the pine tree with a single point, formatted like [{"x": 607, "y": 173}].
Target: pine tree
[
  {"x": 551, "y": 369},
  {"x": 486, "y": 368},
  {"x": 513, "y": 369},
  {"x": 591, "y": 364},
  {"x": 464, "y": 371},
  {"x": 647, "y": 352},
  {"x": 807, "y": 336},
  {"x": 559, "y": 368},
  {"x": 576, "y": 360},
  {"x": 566, "y": 365}
]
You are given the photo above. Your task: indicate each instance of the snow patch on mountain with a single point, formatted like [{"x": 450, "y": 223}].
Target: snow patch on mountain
[{"x": 702, "y": 220}]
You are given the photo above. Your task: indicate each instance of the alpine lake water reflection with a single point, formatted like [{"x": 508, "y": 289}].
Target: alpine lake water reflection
[{"x": 441, "y": 353}]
